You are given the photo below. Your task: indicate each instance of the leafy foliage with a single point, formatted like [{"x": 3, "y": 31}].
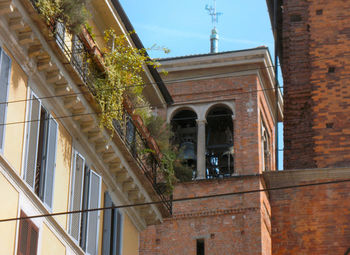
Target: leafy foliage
[
  {"x": 172, "y": 166},
  {"x": 71, "y": 12},
  {"x": 123, "y": 76}
]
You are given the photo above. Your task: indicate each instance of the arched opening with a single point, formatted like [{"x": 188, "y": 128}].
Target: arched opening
[
  {"x": 184, "y": 127},
  {"x": 219, "y": 143}
]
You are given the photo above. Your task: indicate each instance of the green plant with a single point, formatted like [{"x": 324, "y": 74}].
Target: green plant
[
  {"x": 89, "y": 29},
  {"x": 122, "y": 76},
  {"x": 73, "y": 13},
  {"x": 171, "y": 163}
]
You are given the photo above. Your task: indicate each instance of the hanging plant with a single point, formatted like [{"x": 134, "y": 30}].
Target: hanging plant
[
  {"x": 122, "y": 76},
  {"x": 73, "y": 13}
]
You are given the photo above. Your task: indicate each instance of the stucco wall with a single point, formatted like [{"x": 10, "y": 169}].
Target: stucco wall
[
  {"x": 15, "y": 113},
  {"x": 9, "y": 207},
  {"x": 130, "y": 240},
  {"x": 50, "y": 244},
  {"x": 62, "y": 174}
]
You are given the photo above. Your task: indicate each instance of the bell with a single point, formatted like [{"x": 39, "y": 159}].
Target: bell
[{"x": 187, "y": 151}]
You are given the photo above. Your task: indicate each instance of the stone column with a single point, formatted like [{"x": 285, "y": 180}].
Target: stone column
[{"x": 201, "y": 149}]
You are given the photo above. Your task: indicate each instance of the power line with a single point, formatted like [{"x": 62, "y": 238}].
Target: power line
[
  {"x": 137, "y": 107},
  {"x": 138, "y": 85},
  {"x": 184, "y": 199},
  {"x": 168, "y": 81}
]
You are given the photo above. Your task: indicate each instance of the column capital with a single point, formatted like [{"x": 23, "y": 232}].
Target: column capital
[{"x": 201, "y": 121}]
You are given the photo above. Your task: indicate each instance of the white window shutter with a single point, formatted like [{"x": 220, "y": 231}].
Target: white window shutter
[
  {"x": 32, "y": 140},
  {"x": 107, "y": 226},
  {"x": 50, "y": 162},
  {"x": 93, "y": 217},
  {"x": 76, "y": 195},
  {"x": 5, "y": 66}
]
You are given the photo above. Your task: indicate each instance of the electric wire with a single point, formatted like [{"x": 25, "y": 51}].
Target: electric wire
[
  {"x": 183, "y": 199},
  {"x": 137, "y": 107},
  {"x": 156, "y": 83},
  {"x": 138, "y": 85}
]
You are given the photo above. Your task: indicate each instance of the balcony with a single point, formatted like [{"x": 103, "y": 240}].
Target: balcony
[{"x": 139, "y": 147}]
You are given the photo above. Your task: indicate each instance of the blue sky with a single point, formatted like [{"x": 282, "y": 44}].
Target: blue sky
[{"x": 184, "y": 27}]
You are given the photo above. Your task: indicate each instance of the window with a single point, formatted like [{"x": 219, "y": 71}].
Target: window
[
  {"x": 28, "y": 237},
  {"x": 112, "y": 229},
  {"x": 90, "y": 220},
  {"x": 265, "y": 148},
  {"x": 40, "y": 157},
  {"x": 76, "y": 195},
  {"x": 5, "y": 67},
  {"x": 200, "y": 246},
  {"x": 85, "y": 194}
]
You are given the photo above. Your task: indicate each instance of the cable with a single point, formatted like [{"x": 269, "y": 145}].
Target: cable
[
  {"x": 184, "y": 199},
  {"x": 138, "y": 85},
  {"x": 169, "y": 81},
  {"x": 138, "y": 107}
]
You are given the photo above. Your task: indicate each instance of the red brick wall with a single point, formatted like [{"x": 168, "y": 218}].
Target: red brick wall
[
  {"x": 229, "y": 225},
  {"x": 242, "y": 90},
  {"x": 298, "y": 133},
  {"x": 310, "y": 220},
  {"x": 316, "y": 103}
]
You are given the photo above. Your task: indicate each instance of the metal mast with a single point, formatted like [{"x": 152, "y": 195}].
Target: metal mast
[{"x": 214, "y": 37}]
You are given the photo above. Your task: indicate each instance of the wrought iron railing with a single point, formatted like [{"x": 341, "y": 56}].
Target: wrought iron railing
[
  {"x": 219, "y": 161},
  {"x": 77, "y": 54}
]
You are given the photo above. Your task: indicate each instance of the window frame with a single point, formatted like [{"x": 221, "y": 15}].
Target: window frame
[
  {"x": 72, "y": 191},
  {"x": 42, "y": 179},
  {"x": 83, "y": 241},
  {"x": 2, "y": 52},
  {"x": 31, "y": 225},
  {"x": 91, "y": 172},
  {"x": 112, "y": 244}
]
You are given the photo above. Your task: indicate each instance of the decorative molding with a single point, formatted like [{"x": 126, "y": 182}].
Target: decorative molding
[{"x": 214, "y": 212}]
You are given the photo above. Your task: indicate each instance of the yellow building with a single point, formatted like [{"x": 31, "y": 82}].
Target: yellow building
[{"x": 54, "y": 157}]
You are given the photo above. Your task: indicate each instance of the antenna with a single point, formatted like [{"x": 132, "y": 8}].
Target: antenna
[
  {"x": 213, "y": 13},
  {"x": 214, "y": 37}
]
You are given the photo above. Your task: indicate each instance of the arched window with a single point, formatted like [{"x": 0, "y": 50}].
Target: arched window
[
  {"x": 219, "y": 143},
  {"x": 184, "y": 128}
]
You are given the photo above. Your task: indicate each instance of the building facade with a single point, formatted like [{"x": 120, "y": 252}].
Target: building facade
[
  {"x": 54, "y": 156},
  {"x": 313, "y": 42},
  {"x": 313, "y": 46},
  {"x": 223, "y": 118}
]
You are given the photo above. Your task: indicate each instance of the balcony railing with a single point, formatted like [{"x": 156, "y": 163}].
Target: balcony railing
[{"x": 77, "y": 53}]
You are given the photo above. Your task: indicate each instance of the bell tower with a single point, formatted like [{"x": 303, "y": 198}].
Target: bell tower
[{"x": 223, "y": 121}]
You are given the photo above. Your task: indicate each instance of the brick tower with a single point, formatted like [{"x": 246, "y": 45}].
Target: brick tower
[
  {"x": 314, "y": 48},
  {"x": 223, "y": 117}
]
